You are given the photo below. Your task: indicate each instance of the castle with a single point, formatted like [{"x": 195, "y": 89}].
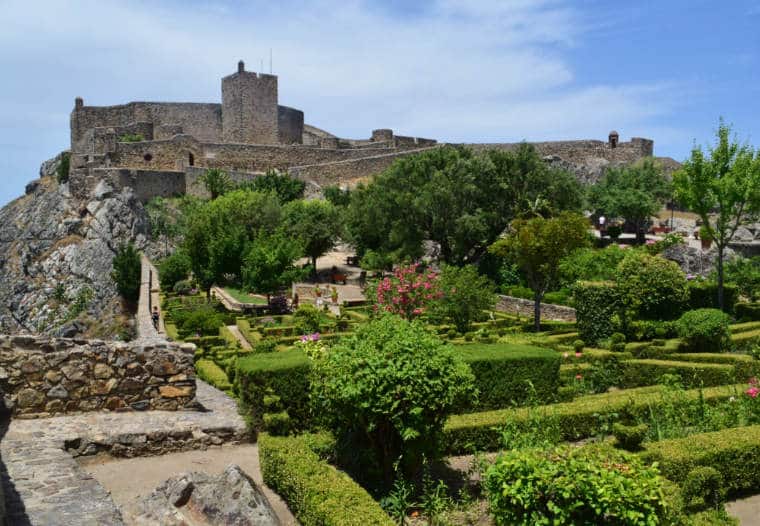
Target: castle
[{"x": 161, "y": 149}]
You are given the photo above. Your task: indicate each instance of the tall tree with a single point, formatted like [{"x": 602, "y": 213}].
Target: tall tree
[
  {"x": 317, "y": 224},
  {"x": 723, "y": 187},
  {"x": 286, "y": 187},
  {"x": 219, "y": 233},
  {"x": 459, "y": 200},
  {"x": 268, "y": 265},
  {"x": 127, "y": 271},
  {"x": 538, "y": 245},
  {"x": 635, "y": 193}
]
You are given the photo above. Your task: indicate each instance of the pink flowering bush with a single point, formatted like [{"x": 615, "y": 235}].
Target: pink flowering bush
[{"x": 407, "y": 293}]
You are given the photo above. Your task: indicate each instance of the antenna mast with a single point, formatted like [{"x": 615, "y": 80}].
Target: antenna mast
[{"x": 270, "y": 60}]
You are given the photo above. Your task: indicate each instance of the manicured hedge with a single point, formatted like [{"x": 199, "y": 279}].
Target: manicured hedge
[
  {"x": 637, "y": 373},
  {"x": 582, "y": 418},
  {"x": 504, "y": 373},
  {"x": 286, "y": 373},
  {"x": 228, "y": 337},
  {"x": 704, "y": 295},
  {"x": 745, "y": 340},
  {"x": 744, "y": 327},
  {"x": 735, "y": 453},
  {"x": 171, "y": 331},
  {"x": 747, "y": 311},
  {"x": 596, "y": 303},
  {"x": 210, "y": 372},
  {"x": 317, "y": 493}
]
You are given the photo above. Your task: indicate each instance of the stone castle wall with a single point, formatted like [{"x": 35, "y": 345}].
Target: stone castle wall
[
  {"x": 42, "y": 376},
  {"x": 523, "y": 307},
  {"x": 249, "y": 108},
  {"x": 289, "y": 125},
  {"x": 579, "y": 151}
]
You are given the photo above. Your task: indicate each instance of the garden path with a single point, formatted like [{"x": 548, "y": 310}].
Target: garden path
[
  {"x": 239, "y": 335},
  {"x": 747, "y": 510},
  {"x": 148, "y": 284}
]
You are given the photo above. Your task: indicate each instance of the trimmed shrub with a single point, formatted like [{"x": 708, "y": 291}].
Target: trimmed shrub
[
  {"x": 569, "y": 485},
  {"x": 704, "y": 485},
  {"x": 651, "y": 287},
  {"x": 317, "y": 493},
  {"x": 278, "y": 424},
  {"x": 704, "y": 295},
  {"x": 642, "y": 330},
  {"x": 582, "y": 418},
  {"x": 210, "y": 372},
  {"x": 744, "y": 341},
  {"x": 747, "y": 311},
  {"x": 511, "y": 374},
  {"x": 630, "y": 437},
  {"x": 204, "y": 320},
  {"x": 266, "y": 345},
  {"x": 307, "y": 319},
  {"x": 284, "y": 374},
  {"x": 182, "y": 287},
  {"x": 388, "y": 389},
  {"x": 596, "y": 305},
  {"x": 578, "y": 345},
  {"x": 639, "y": 373},
  {"x": 734, "y": 453},
  {"x": 705, "y": 330}
]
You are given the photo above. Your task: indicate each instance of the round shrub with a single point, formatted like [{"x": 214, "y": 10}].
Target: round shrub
[
  {"x": 203, "y": 320},
  {"x": 652, "y": 287},
  {"x": 617, "y": 337},
  {"x": 578, "y": 345},
  {"x": 307, "y": 319},
  {"x": 183, "y": 287},
  {"x": 704, "y": 485},
  {"x": 389, "y": 389},
  {"x": 265, "y": 345},
  {"x": 468, "y": 336},
  {"x": 571, "y": 485},
  {"x": 630, "y": 437},
  {"x": 705, "y": 330},
  {"x": 452, "y": 333},
  {"x": 173, "y": 269}
]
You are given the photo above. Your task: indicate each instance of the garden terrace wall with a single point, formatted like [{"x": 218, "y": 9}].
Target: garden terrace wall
[
  {"x": 524, "y": 307},
  {"x": 45, "y": 376}
]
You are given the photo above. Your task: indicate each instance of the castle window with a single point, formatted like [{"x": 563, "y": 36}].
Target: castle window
[
  {"x": 148, "y": 157},
  {"x": 190, "y": 159}
]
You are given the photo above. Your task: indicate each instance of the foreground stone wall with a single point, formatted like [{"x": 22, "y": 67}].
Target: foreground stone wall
[
  {"x": 524, "y": 307},
  {"x": 41, "y": 376}
]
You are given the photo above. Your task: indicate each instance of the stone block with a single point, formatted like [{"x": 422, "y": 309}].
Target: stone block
[
  {"x": 59, "y": 392},
  {"x": 27, "y": 398},
  {"x": 170, "y": 391},
  {"x": 102, "y": 371}
]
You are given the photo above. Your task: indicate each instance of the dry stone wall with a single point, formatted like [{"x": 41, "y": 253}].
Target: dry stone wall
[
  {"x": 41, "y": 376},
  {"x": 524, "y": 307}
]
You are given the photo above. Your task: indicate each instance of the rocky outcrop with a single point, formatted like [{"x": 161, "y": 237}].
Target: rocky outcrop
[
  {"x": 229, "y": 499},
  {"x": 56, "y": 253}
]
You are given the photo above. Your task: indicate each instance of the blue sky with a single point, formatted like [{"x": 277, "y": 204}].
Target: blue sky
[{"x": 474, "y": 71}]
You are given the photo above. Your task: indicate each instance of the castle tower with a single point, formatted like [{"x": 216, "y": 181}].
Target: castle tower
[{"x": 249, "y": 107}]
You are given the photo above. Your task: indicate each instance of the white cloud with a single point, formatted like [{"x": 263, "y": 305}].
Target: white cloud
[{"x": 457, "y": 70}]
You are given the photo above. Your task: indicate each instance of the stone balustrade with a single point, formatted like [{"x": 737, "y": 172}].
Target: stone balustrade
[{"x": 42, "y": 376}]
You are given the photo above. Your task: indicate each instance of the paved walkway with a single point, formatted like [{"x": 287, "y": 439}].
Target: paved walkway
[
  {"x": 45, "y": 486},
  {"x": 747, "y": 510},
  {"x": 239, "y": 335},
  {"x": 145, "y": 329}
]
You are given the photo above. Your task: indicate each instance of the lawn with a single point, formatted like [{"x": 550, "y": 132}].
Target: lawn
[{"x": 244, "y": 297}]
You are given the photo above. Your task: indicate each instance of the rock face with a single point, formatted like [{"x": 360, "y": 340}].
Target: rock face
[
  {"x": 199, "y": 499},
  {"x": 56, "y": 253}
]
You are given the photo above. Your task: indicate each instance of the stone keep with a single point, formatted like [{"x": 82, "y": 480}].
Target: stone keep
[{"x": 249, "y": 108}]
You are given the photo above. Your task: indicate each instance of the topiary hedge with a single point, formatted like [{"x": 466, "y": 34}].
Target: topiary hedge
[
  {"x": 596, "y": 305},
  {"x": 210, "y": 372},
  {"x": 317, "y": 493},
  {"x": 582, "y": 418},
  {"x": 747, "y": 311},
  {"x": 638, "y": 373},
  {"x": 734, "y": 453},
  {"x": 704, "y": 295},
  {"x": 705, "y": 330}
]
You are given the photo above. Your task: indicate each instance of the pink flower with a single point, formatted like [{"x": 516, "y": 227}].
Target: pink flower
[
  {"x": 315, "y": 337},
  {"x": 417, "y": 311},
  {"x": 752, "y": 392},
  {"x": 578, "y": 376},
  {"x": 651, "y": 241},
  {"x": 578, "y": 355}
]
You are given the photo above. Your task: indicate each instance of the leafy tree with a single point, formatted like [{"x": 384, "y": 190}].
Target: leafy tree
[
  {"x": 217, "y": 182},
  {"x": 316, "y": 224},
  {"x": 391, "y": 387},
  {"x": 219, "y": 232},
  {"x": 127, "y": 272},
  {"x": 163, "y": 221},
  {"x": 538, "y": 245},
  {"x": 62, "y": 171},
  {"x": 286, "y": 187},
  {"x": 590, "y": 264},
  {"x": 651, "y": 287},
  {"x": 268, "y": 265},
  {"x": 338, "y": 196},
  {"x": 635, "y": 193},
  {"x": 457, "y": 199},
  {"x": 745, "y": 273},
  {"x": 173, "y": 268},
  {"x": 726, "y": 183},
  {"x": 466, "y": 294}
]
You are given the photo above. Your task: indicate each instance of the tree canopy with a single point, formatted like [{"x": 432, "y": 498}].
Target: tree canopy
[
  {"x": 283, "y": 185},
  {"x": 316, "y": 224},
  {"x": 723, "y": 187},
  {"x": 459, "y": 200},
  {"x": 635, "y": 193}
]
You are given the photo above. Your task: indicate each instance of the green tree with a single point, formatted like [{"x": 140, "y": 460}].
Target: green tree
[
  {"x": 217, "y": 182},
  {"x": 745, "y": 273},
  {"x": 219, "y": 232},
  {"x": 163, "y": 221},
  {"x": 635, "y": 193},
  {"x": 316, "y": 224},
  {"x": 338, "y": 196},
  {"x": 127, "y": 271},
  {"x": 172, "y": 269},
  {"x": 651, "y": 287},
  {"x": 466, "y": 295},
  {"x": 724, "y": 183},
  {"x": 286, "y": 187},
  {"x": 391, "y": 387},
  {"x": 268, "y": 265},
  {"x": 538, "y": 245},
  {"x": 459, "y": 200}
]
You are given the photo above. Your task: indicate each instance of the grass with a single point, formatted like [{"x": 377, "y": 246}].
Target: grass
[{"x": 244, "y": 297}]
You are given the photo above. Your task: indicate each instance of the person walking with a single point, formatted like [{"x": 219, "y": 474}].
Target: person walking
[{"x": 155, "y": 316}]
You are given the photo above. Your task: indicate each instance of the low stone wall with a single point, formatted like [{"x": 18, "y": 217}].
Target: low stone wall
[
  {"x": 42, "y": 376},
  {"x": 524, "y": 307}
]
